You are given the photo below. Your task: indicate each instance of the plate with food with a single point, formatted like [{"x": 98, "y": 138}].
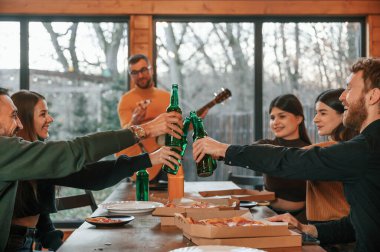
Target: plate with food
[
  {"x": 110, "y": 221},
  {"x": 128, "y": 207}
]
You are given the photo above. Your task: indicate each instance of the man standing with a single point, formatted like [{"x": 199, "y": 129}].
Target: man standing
[
  {"x": 355, "y": 162},
  {"x": 142, "y": 104},
  {"x": 23, "y": 160}
]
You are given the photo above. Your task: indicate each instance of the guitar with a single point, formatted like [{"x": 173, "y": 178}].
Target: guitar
[{"x": 152, "y": 144}]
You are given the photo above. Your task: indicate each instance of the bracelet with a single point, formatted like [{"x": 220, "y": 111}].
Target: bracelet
[{"x": 138, "y": 131}]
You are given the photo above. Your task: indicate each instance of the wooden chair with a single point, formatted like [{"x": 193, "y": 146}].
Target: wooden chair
[
  {"x": 249, "y": 182},
  {"x": 75, "y": 201}
]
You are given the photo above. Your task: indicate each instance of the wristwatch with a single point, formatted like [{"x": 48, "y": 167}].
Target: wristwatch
[{"x": 138, "y": 131}]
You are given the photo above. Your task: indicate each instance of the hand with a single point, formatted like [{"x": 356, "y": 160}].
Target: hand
[
  {"x": 165, "y": 156},
  {"x": 139, "y": 112},
  {"x": 207, "y": 145},
  {"x": 307, "y": 229},
  {"x": 166, "y": 123}
]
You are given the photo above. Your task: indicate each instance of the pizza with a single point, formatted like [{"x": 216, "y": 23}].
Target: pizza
[
  {"x": 197, "y": 204},
  {"x": 227, "y": 222},
  {"x": 103, "y": 220}
]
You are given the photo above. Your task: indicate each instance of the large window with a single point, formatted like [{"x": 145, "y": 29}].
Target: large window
[
  {"x": 292, "y": 56},
  {"x": 80, "y": 67},
  {"x": 204, "y": 57},
  {"x": 9, "y": 55},
  {"x": 305, "y": 59}
]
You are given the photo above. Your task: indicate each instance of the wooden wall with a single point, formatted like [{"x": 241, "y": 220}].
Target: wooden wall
[{"x": 142, "y": 11}]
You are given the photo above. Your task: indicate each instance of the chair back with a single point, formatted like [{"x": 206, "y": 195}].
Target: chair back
[
  {"x": 75, "y": 201},
  {"x": 255, "y": 182}
]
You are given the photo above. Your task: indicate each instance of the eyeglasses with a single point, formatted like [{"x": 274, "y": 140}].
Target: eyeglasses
[{"x": 143, "y": 70}]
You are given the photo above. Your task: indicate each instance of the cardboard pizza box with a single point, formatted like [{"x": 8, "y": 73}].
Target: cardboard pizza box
[
  {"x": 293, "y": 240},
  {"x": 241, "y": 194},
  {"x": 184, "y": 205},
  {"x": 211, "y": 231}
]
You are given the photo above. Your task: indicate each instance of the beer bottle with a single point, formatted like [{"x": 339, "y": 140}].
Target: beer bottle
[
  {"x": 207, "y": 165},
  {"x": 142, "y": 185},
  {"x": 170, "y": 140},
  {"x": 185, "y": 129}
]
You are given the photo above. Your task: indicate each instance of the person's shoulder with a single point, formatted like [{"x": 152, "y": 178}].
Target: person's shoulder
[{"x": 126, "y": 96}]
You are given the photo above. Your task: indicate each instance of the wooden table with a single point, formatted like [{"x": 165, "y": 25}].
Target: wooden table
[{"x": 145, "y": 232}]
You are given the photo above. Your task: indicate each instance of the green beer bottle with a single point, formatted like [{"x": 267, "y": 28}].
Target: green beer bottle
[
  {"x": 170, "y": 140},
  {"x": 185, "y": 129},
  {"x": 207, "y": 165},
  {"x": 142, "y": 185}
]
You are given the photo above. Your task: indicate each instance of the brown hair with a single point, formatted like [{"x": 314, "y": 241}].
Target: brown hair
[
  {"x": 291, "y": 104},
  {"x": 25, "y": 101},
  {"x": 371, "y": 72},
  {"x": 136, "y": 58},
  {"x": 331, "y": 98}
]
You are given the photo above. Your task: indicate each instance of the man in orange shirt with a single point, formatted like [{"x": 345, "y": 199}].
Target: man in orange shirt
[{"x": 143, "y": 103}]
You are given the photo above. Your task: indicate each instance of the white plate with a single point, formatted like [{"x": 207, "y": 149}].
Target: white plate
[
  {"x": 132, "y": 206},
  {"x": 213, "y": 248}
]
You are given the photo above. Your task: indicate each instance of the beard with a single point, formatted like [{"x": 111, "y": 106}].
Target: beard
[
  {"x": 355, "y": 115},
  {"x": 144, "y": 83}
]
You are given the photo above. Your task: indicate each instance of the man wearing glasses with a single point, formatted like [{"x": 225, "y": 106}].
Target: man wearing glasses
[{"x": 142, "y": 103}]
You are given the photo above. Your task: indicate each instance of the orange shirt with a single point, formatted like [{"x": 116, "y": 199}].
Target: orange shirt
[
  {"x": 325, "y": 201},
  {"x": 160, "y": 100}
]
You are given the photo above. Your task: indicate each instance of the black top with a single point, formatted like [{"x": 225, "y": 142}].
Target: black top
[
  {"x": 288, "y": 189},
  {"x": 95, "y": 176},
  {"x": 356, "y": 163}
]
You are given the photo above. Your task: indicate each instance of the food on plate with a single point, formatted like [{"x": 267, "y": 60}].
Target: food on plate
[
  {"x": 230, "y": 222},
  {"x": 197, "y": 204},
  {"x": 103, "y": 220}
]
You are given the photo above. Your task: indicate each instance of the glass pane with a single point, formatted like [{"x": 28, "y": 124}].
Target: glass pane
[
  {"x": 10, "y": 55},
  {"x": 80, "y": 69},
  {"x": 305, "y": 59},
  {"x": 203, "y": 57}
]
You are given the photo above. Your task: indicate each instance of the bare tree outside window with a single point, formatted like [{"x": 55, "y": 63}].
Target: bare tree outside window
[
  {"x": 10, "y": 55},
  {"x": 203, "y": 57},
  {"x": 305, "y": 59},
  {"x": 80, "y": 69}
]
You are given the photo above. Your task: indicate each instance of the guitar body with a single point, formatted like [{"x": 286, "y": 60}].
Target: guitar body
[{"x": 150, "y": 145}]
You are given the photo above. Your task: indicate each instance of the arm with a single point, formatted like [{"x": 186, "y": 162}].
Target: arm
[
  {"x": 57, "y": 158},
  {"x": 333, "y": 232},
  {"x": 47, "y": 234},
  {"x": 340, "y": 162},
  {"x": 60, "y": 158},
  {"x": 99, "y": 175},
  {"x": 339, "y": 231},
  {"x": 103, "y": 174}
]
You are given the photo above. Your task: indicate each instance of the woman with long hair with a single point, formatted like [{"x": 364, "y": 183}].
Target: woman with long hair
[
  {"x": 325, "y": 201},
  {"x": 287, "y": 122},
  {"x": 35, "y": 200}
]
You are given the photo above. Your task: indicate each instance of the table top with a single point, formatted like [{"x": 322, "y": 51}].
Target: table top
[{"x": 145, "y": 232}]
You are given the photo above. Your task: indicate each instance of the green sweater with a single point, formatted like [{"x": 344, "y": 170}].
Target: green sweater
[{"x": 23, "y": 160}]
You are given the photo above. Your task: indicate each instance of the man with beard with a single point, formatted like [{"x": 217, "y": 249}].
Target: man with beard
[
  {"x": 355, "y": 162},
  {"x": 142, "y": 104},
  {"x": 23, "y": 160}
]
